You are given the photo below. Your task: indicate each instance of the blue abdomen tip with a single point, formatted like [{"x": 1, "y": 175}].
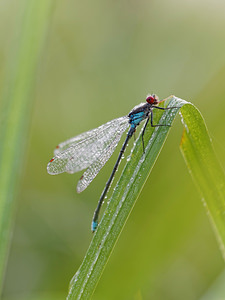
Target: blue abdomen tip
[{"x": 94, "y": 225}]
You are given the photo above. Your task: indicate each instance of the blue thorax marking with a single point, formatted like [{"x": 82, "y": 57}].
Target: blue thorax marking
[{"x": 136, "y": 118}]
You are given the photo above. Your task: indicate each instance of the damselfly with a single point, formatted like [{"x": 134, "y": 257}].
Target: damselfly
[{"x": 93, "y": 148}]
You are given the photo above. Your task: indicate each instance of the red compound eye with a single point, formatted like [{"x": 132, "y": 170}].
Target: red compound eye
[{"x": 152, "y": 99}]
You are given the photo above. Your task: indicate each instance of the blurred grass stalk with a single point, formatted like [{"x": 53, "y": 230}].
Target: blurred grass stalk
[{"x": 16, "y": 103}]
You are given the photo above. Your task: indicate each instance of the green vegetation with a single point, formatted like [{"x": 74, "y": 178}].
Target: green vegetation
[
  {"x": 67, "y": 67},
  {"x": 202, "y": 163}
]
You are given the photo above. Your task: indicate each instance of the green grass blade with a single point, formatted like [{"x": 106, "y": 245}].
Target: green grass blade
[
  {"x": 203, "y": 165},
  {"x": 121, "y": 203},
  {"x": 32, "y": 23},
  {"x": 205, "y": 169}
]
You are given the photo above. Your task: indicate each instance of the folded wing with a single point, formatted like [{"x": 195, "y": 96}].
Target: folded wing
[{"x": 90, "y": 149}]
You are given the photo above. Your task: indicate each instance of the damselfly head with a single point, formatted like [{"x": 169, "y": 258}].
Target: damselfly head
[{"x": 152, "y": 99}]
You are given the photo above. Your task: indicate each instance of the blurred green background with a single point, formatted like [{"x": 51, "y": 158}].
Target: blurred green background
[{"x": 100, "y": 59}]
